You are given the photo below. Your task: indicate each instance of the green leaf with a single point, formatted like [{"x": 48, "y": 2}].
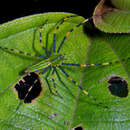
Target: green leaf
[
  {"x": 74, "y": 108},
  {"x": 104, "y": 48},
  {"x": 110, "y": 19},
  {"x": 121, "y": 4}
]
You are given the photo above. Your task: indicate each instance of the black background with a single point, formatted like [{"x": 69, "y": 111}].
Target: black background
[{"x": 10, "y": 10}]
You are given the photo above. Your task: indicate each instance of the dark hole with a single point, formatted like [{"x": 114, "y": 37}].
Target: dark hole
[
  {"x": 78, "y": 128},
  {"x": 118, "y": 86},
  {"x": 29, "y": 87}
]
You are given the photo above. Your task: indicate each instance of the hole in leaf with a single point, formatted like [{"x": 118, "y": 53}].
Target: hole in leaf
[
  {"x": 118, "y": 86},
  {"x": 78, "y": 128},
  {"x": 29, "y": 87}
]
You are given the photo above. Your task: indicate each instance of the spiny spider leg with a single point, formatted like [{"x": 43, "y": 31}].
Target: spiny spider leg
[
  {"x": 54, "y": 84},
  {"x": 59, "y": 78},
  {"x": 15, "y": 51},
  {"x": 46, "y": 79},
  {"x": 81, "y": 88},
  {"x": 57, "y": 27},
  {"x": 70, "y": 31},
  {"x": 48, "y": 53},
  {"x": 99, "y": 64}
]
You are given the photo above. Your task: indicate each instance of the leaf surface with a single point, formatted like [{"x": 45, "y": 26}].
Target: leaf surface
[{"x": 74, "y": 108}]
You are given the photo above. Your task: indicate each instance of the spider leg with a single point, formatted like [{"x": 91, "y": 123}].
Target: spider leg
[
  {"x": 59, "y": 78},
  {"x": 92, "y": 65},
  {"x": 58, "y": 24},
  {"x": 15, "y": 51},
  {"x": 41, "y": 42},
  {"x": 54, "y": 84},
  {"x": 70, "y": 31},
  {"x": 81, "y": 88}
]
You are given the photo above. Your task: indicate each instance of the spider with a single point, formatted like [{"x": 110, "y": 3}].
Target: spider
[{"x": 29, "y": 86}]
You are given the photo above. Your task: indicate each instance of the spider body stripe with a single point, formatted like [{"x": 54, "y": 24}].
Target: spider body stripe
[
  {"x": 41, "y": 66},
  {"x": 54, "y": 60}
]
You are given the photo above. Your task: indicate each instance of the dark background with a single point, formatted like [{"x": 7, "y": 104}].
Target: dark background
[{"x": 15, "y": 9}]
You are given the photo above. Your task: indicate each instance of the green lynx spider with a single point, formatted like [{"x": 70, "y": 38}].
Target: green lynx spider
[{"x": 53, "y": 60}]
